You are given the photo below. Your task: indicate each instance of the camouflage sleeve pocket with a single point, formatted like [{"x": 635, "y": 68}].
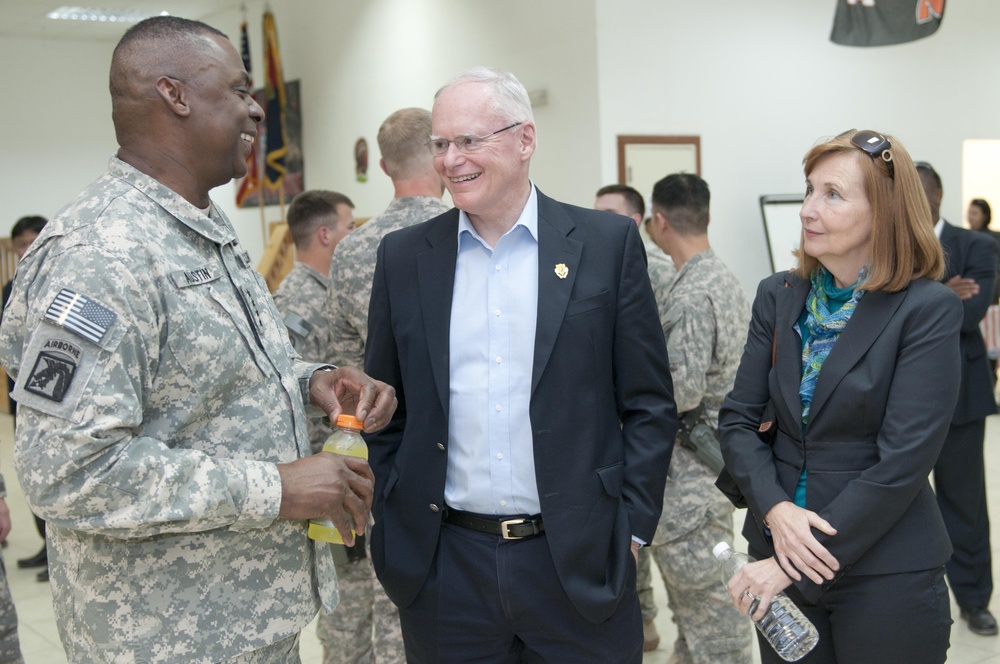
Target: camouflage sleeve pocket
[{"x": 60, "y": 360}]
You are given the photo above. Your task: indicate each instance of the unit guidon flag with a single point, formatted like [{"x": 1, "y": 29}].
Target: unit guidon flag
[{"x": 885, "y": 22}]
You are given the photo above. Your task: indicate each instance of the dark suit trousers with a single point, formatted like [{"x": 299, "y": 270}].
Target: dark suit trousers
[
  {"x": 492, "y": 601},
  {"x": 900, "y": 618},
  {"x": 960, "y": 485}
]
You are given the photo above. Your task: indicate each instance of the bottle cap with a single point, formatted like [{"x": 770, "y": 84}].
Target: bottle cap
[
  {"x": 349, "y": 421},
  {"x": 720, "y": 549}
]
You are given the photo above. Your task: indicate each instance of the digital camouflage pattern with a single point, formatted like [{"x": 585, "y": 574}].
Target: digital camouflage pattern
[
  {"x": 346, "y": 634},
  {"x": 364, "y": 628},
  {"x": 10, "y": 646},
  {"x": 705, "y": 325},
  {"x": 151, "y": 451},
  {"x": 353, "y": 268},
  {"x": 661, "y": 275},
  {"x": 301, "y": 299}
]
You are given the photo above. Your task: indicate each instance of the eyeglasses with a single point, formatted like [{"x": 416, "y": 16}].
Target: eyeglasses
[
  {"x": 465, "y": 143},
  {"x": 876, "y": 146}
]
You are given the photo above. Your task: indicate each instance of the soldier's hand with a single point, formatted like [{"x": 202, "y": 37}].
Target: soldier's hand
[
  {"x": 327, "y": 485},
  {"x": 347, "y": 389}
]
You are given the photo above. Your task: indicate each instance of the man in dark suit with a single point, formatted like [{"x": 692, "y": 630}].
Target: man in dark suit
[
  {"x": 959, "y": 475},
  {"x": 530, "y": 447}
]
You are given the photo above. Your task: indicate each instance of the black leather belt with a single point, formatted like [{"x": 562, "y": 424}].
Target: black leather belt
[{"x": 509, "y": 528}]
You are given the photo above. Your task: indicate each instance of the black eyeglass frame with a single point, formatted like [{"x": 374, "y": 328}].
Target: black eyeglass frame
[{"x": 876, "y": 146}]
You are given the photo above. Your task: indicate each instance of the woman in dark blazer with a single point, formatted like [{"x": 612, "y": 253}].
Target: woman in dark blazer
[{"x": 856, "y": 353}]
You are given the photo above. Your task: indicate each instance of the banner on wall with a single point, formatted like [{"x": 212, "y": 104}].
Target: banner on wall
[
  {"x": 251, "y": 181},
  {"x": 274, "y": 107},
  {"x": 885, "y": 22}
]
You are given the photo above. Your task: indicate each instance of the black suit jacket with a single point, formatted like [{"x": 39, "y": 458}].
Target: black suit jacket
[
  {"x": 880, "y": 413},
  {"x": 973, "y": 256},
  {"x": 602, "y": 410}
]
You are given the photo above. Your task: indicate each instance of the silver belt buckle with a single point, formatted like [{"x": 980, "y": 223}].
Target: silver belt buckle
[{"x": 505, "y": 525}]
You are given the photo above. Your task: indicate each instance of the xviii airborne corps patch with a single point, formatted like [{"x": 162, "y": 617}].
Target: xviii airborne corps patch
[{"x": 53, "y": 371}]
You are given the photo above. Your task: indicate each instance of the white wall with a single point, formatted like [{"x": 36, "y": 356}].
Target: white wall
[
  {"x": 760, "y": 82},
  {"x": 57, "y": 134}
]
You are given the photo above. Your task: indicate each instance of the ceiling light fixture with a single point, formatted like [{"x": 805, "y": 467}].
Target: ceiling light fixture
[{"x": 99, "y": 15}]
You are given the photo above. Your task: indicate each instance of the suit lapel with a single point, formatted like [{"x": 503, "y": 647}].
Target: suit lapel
[
  {"x": 868, "y": 321},
  {"x": 554, "y": 249},
  {"x": 436, "y": 282},
  {"x": 789, "y": 302}
]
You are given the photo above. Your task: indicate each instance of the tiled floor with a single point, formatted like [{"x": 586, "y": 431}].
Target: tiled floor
[{"x": 40, "y": 640}]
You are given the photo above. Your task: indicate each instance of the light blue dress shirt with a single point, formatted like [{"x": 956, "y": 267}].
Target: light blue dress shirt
[{"x": 491, "y": 464}]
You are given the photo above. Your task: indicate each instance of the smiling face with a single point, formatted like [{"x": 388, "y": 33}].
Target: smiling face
[
  {"x": 491, "y": 182},
  {"x": 223, "y": 114},
  {"x": 836, "y": 217}
]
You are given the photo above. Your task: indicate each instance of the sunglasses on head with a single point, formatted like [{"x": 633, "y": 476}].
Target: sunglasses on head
[{"x": 875, "y": 145}]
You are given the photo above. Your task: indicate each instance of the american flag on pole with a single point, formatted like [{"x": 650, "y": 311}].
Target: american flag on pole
[{"x": 78, "y": 313}]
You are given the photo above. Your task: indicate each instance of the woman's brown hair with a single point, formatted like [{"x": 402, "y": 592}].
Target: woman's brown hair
[{"x": 903, "y": 244}]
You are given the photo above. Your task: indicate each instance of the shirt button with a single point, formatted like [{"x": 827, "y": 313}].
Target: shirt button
[
  {"x": 499, "y": 359},
  {"x": 498, "y": 268},
  {"x": 503, "y": 503},
  {"x": 500, "y": 455},
  {"x": 496, "y": 313},
  {"x": 498, "y": 408}
]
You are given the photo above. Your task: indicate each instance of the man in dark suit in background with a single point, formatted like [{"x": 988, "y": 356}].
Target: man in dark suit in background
[
  {"x": 531, "y": 443},
  {"x": 959, "y": 475}
]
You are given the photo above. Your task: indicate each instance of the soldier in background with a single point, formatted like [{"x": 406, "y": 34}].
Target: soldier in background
[
  {"x": 317, "y": 220},
  {"x": 24, "y": 232},
  {"x": 627, "y": 201},
  {"x": 706, "y": 321},
  {"x": 347, "y": 633},
  {"x": 171, "y": 462}
]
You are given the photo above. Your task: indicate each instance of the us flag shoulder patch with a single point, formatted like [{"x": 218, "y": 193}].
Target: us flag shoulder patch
[{"x": 80, "y": 314}]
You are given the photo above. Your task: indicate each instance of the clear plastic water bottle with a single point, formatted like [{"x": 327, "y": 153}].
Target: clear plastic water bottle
[
  {"x": 788, "y": 631},
  {"x": 346, "y": 440}
]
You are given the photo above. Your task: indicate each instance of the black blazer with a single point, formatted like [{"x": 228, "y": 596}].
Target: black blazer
[
  {"x": 602, "y": 409},
  {"x": 880, "y": 413},
  {"x": 974, "y": 256}
]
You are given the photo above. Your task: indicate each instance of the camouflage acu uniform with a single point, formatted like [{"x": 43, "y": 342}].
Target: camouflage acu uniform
[
  {"x": 347, "y": 632},
  {"x": 661, "y": 274},
  {"x": 301, "y": 299},
  {"x": 705, "y": 325},
  {"x": 157, "y": 389},
  {"x": 10, "y": 647}
]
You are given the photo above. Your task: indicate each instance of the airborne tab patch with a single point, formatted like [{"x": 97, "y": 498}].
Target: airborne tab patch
[{"x": 78, "y": 313}]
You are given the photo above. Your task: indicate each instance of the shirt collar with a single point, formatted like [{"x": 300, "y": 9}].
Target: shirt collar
[
  {"x": 215, "y": 225},
  {"x": 938, "y": 226},
  {"x": 528, "y": 219}
]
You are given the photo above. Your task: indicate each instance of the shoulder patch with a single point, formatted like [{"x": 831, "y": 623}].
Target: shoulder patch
[
  {"x": 52, "y": 373},
  {"x": 297, "y": 325},
  {"x": 80, "y": 314}
]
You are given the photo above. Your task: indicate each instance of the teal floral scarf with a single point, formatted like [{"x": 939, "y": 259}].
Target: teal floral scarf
[{"x": 824, "y": 329}]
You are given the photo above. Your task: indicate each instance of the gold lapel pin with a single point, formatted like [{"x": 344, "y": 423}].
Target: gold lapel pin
[{"x": 561, "y": 270}]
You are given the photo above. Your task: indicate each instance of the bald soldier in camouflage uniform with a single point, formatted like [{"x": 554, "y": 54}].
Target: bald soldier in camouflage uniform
[
  {"x": 705, "y": 325},
  {"x": 402, "y": 139},
  {"x": 627, "y": 201},
  {"x": 317, "y": 221},
  {"x": 161, "y": 408}
]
